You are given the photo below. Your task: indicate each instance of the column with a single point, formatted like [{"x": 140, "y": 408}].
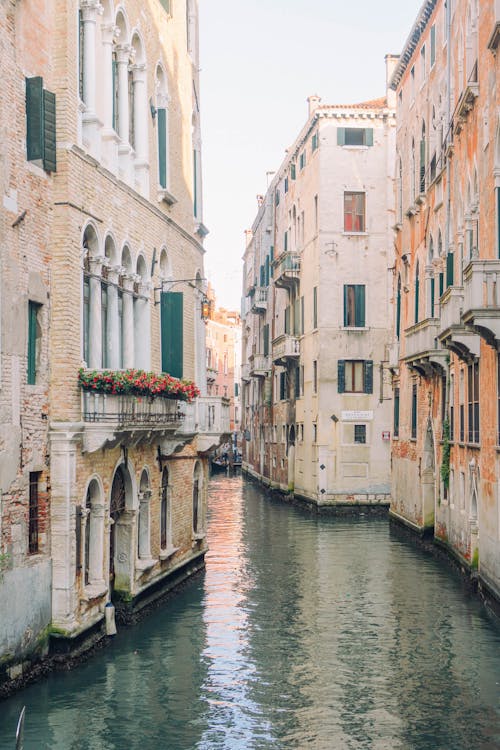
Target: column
[
  {"x": 96, "y": 553},
  {"x": 140, "y": 115},
  {"x": 144, "y": 545},
  {"x": 113, "y": 329},
  {"x": 95, "y": 318},
  {"x": 128, "y": 322},
  {"x": 122, "y": 59},
  {"x": 90, "y": 9},
  {"x": 429, "y": 302},
  {"x": 109, "y": 33},
  {"x": 142, "y": 327}
]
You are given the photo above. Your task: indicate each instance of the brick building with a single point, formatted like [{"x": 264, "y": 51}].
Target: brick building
[
  {"x": 446, "y": 332},
  {"x": 106, "y": 273}
]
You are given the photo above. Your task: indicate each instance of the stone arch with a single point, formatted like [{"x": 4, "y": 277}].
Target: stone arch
[
  {"x": 166, "y": 272},
  {"x": 430, "y": 256},
  {"x": 126, "y": 259},
  {"x": 122, "y": 503},
  {"x": 142, "y": 268},
  {"x": 121, "y": 22},
  {"x": 92, "y": 533},
  {"x": 91, "y": 242},
  {"x": 108, "y": 13},
  {"x": 111, "y": 250}
]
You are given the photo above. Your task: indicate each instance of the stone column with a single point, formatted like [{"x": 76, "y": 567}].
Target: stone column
[
  {"x": 109, "y": 34},
  {"x": 90, "y": 10},
  {"x": 429, "y": 307},
  {"x": 122, "y": 58},
  {"x": 128, "y": 322},
  {"x": 96, "y": 553},
  {"x": 95, "y": 317},
  {"x": 113, "y": 327},
  {"x": 144, "y": 545},
  {"x": 142, "y": 327},
  {"x": 125, "y": 551}
]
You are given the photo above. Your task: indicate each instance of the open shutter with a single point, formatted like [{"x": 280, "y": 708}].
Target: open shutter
[
  {"x": 449, "y": 269},
  {"x": 368, "y": 377},
  {"x": 34, "y": 118},
  {"x": 49, "y": 131},
  {"x": 368, "y": 136},
  {"x": 162, "y": 147},
  {"x": 346, "y": 294},
  {"x": 341, "y": 375},
  {"x": 340, "y": 136},
  {"x": 360, "y": 305},
  {"x": 172, "y": 347}
]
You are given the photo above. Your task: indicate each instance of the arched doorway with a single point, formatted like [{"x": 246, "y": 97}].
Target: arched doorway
[
  {"x": 428, "y": 479},
  {"x": 121, "y": 532}
]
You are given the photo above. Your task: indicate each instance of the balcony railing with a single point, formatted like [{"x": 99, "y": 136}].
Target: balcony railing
[
  {"x": 451, "y": 307},
  {"x": 285, "y": 347},
  {"x": 481, "y": 311},
  {"x": 452, "y": 332},
  {"x": 260, "y": 365},
  {"x": 421, "y": 337},
  {"x": 259, "y": 299},
  {"x": 286, "y": 269},
  {"x": 130, "y": 411}
]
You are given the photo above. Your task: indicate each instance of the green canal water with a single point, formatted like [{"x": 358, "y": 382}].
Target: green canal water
[{"x": 304, "y": 632}]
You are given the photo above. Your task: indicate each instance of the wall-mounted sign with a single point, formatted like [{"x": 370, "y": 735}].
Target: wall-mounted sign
[
  {"x": 386, "y": 435},
  {"x": 357, "y": 416}
]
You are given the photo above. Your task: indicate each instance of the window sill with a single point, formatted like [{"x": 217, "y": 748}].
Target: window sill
[
  {"x": 474, "y": 446},
  {"x": 346, "y": 233},
  {"x": 199, "y": 537},
  {"x": 169, "y": 552},
  {"x": 143, "y": 564},
  {"x": 358, "y": 147},
  {"x": 355, "y": 328},
  {"x": 166, "y": 197},
  {"x": 94, "y": 591}
]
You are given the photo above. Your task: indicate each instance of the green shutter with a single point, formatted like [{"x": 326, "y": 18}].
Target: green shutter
[
  {"x": 49, "y": 131},
  {"x": 449, "y": 269},
  {"x": 346, "y": 322},
  {"x": 32, "y": 321},
  {"x": 262, "y": 275},
  {"x": 433, "y": 45},
  {"x": 396, "y": 412},
  {"x": 293, "y": 171},
  {"x": 285, "y": 242},
  {"x": 422, "y": 166},
  {"x": 287, "y": 319},
  {"x": 296, "y": 317},
  {"x": 341, "y": 375},
  {"x": 441, "y": 284},
  {"x": 340, "y": 136},
  {"x": 359, "y": 301},
  {"x": 162, "y": 150},
  {"x": 368, "y": 136},
  {"x": 297, "y": 382},
  {"x": 266, "y": 339},
  {"x": 433, "y": 295},
  {"x": 172, "y": 348},
  {"x": 267, "y": 271},
  {"x": 34, "y": 118},
  {"x": 271, "y": 253},
  {"x": 368, "y": 377}
]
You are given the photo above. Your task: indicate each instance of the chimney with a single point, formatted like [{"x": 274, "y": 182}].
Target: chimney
[
  {"x": 313, "y": 102},
  {"x": 390, "y": 66}
]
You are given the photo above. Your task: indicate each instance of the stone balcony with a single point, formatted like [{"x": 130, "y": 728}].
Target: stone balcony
[
  {"x": 422, "y": 349},
  {"x": 286, "y": 269},
  {"x": 452, "y": 333},
  {"x": 260, "y": 366},
  {"x": 481, "y": 310},
  {"x": 259, "y": 300},
  {"x": 212, "y": 421},
  {"x": 285, "y": 349}
]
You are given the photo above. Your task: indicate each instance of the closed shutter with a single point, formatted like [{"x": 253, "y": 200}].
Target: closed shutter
[
  {"x": 287, "y": 319},
  {"x": 297, "y": 382},
  {"x": 262, "y": 276},
  {"x": 162, "y": 148},
  {"x": 422, "y": 166},
  {"x": 32, "y": 325},
  {"x": 368, "y": 385},
  {"x": 360, "y": 305},
  {"x": 296, "y": 317},
  {"x": 34, "y": 118},
  {"x": 341, "y": 376},
  {"x": 449, "y": 269},
  {"x": 172, "y": 338},
  {"x": 293, "y": 171},
  {"x": 368, "y": 136},
  {"x": 267, "y": 273},
  {"x": 433, "y": 295},
  {"x": 346, "y": 306},
  {"x": 340, "y": 136},
  {"x": 265, "y": 334},
  {"x": 49, "y": 131}
]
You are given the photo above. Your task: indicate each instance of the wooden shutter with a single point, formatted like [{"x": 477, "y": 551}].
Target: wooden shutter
[
  {"x": 359, "y": 305},
  {"x": 433, "y": 295},
  {"x": 293, "y": 171},
  {"x": 267, "y": 271},
  {"x": 368, "y": 136},
  {"x": 265, "y": 333},
  {"x": 32, "y": 321},
  {"x": 340, "y": 136},
  {"x": 49, "y": 131},
  {"x": 285, "y": 242},
  {"x": 297, "y": 382},
  {"x": 449, "y": 269},
  {"x": 162, "y": 149},
  {"x": 296, "y": 317},
  {"x": 172, "y": 333},
  {"x": 396, "y": 412},
  {"x": 368, "y": 373},
  {"x": 341, "y": 375},
  {"x": 287, "y": 319},
  {"x": 262, "y": 275},
  {"x": 346, "y": 305},
  {"x": 34, "y": 118}
]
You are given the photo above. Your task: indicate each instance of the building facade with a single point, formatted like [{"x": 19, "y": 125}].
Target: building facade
[
  {"x": 121, "y": 478},
  {"x": 445, "y": 354},
  {"x": 317, "y": 283}
]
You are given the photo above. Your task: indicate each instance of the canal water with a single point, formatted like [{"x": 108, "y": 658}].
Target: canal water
[{"x": 304, "y": 632}]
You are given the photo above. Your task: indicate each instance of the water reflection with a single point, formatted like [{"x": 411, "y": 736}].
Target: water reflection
[{"x": 304, "y": 632}]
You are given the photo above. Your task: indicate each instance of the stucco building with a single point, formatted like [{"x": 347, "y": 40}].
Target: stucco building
[
  {"x": 317, "y": 283},
  {"x": 445, "y": 354},
  {"x": 115, "y": 196}
]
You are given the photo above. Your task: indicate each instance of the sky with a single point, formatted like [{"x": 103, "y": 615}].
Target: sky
[{"x": 259, "y": 62}]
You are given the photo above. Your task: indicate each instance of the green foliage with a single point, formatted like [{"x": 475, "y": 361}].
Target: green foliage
[{"x": 445, "y": 464}]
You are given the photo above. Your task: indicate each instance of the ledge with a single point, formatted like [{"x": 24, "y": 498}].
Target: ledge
[
  {"x": 167, "y": 197},
  {"x": 94, "y": 591},
  {"x": 169, "y": 552},
  {"x": 144, "y": 564}
]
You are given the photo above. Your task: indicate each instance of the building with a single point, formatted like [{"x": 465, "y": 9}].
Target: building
[
  {"x": 317, "y": 287},
  {"x": 113, "y": 282},
  {"x": 446, "y": 331}
]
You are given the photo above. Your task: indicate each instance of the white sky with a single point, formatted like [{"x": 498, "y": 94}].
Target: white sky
[{"x": 259, "y": 62}]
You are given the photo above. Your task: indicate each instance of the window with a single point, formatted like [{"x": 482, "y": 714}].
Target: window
[
  {"x": 355, "y": 376},
  {"x": 167, "y": 6},
  {"x": 286, "y": 184},
  {"x": 314, "y": 142},
  {"x": 164, "y": 510},
  {"x": 277, "y": 198},
  {"x": 315, "y": 376},
  {"x": 315, "y": 432},
  {"x": 40, "y": 124},
  {"x": 315, "y": 307},
  {"x": 196, "y": 506},
  {"x": 285, "y": 242},
  {"x": 412, "y": 82},
  {"x": 297, "y": 382},
  {"x": 34, "y": 339},
  {"x": 283, "y": 386},
  {"x": 302, "y": 160},
  {"x": 265, "y": 335},
  {"x": 354, "y": 305},
  {"x": 34, "y": 513},
  {"x": 396, "y": 412},
  {"x": 414, "y": 411},
  {"x": 473, "y": 402},
  {"x": 162, "y": 147},
  {"x": 433, "y": 44},
  {"x": 461, "y": 406},
  {"x": 422, "y": 161},
  {"x": 422, "y": 62},
  {"x": 293, "y": 171},
  {"x": 355, "y": 136},
  {"x": 360, "y": 434},
  {"x": 354, "y": 212}
]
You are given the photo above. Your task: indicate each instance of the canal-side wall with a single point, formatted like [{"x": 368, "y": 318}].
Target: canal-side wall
[{"x": 25, "y": 615}]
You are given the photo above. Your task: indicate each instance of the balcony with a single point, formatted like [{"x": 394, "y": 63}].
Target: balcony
[
  {"x": 111, "y": 419},
  {"x": 259, "y": 300},
  {"x": 260, "y": 366},
  {"x": 286, "y": 269},
  {"x": 452, "y": 333},
  {"x": 393, "y": 355},
  {"x": 212, "y": 421},
  {"x": 212, "y": 373},
  {"x": 422, "y": 349},
  {"x": 481, "y": 310},
  {"x": 495, "y": 34},
  {"x": 285, "y": 349}
]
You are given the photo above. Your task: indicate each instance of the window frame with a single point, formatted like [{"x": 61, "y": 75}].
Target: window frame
[{"x": 355, "y": 215}]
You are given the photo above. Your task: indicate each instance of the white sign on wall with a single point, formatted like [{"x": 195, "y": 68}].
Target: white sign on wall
[{"x": 357, "y": 416}]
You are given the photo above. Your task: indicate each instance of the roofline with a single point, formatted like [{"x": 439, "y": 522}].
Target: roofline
[{"x": 411, "y": 43}]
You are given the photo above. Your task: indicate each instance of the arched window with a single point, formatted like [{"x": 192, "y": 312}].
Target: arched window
[
  {"x": 143, "y": 531},
  {"x": 413, "y": 176},
  {"x": 142, "y": 332},
  {"x": 93, "y": 535},
  {"x": 138, "y": 113},
  {"x": 165, "y": 512},
  {"x": 92, "y": 293},
  {"x": 423, "y": 156},
  {"x": 162, "y": 126}
]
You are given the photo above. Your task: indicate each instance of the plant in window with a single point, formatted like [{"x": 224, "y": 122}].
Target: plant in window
[{"x": 137, "y": 383}]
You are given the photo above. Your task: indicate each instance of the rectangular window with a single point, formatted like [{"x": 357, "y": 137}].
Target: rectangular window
[
  {"x": 315, "y": 307},
  {"x": 422, "y": 63},
  {"x": 315, "y": 376},
  {"x": 302, "y": 160},
  {"x": 34, "y": 513},
  {"x": 40, "y": 124},
  {"x": 355, "y": 376},
  {"x": 34, "y": 336},
  {"x": 277, "y": 198},
  {"x": 355, "y": 136},
  {"x": 297, "y": 382},
  {"x": 293, "y": 171},
  {"x": 433, "y": 44},
  {"x": 283, "y": 387},
  {"x": 473, "y": 402},
  {"x": 286, "y": 184},
  {"x": 162, "y": 147},
  {"x": 354, "y": 305},
  {"x": 414, "y": 411},
  {"x": 396, "y": 412},
  {"x": 354, "y": 212},
  {"x": 265, "y": 335},
  {"x": 285, "y": 242},
  {"x": 314, "y": 141},
  {"x": 360, "y": 434}
]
